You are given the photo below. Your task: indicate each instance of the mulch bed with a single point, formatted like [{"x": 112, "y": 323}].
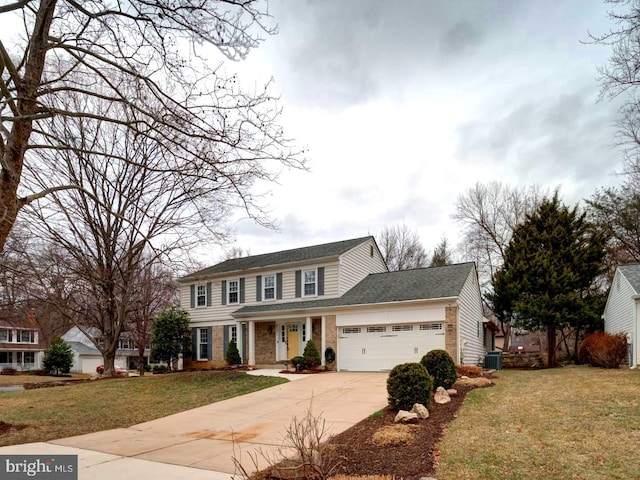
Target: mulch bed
[
  {"x": 5, "y": 427},
  {"x": 358, "y": 455}
]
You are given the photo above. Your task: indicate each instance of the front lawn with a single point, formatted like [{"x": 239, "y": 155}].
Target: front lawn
[
  {"x": 48, "y": 413},
  {"x": 21, "y": 379},
  {"x": 566, "y": 423}
]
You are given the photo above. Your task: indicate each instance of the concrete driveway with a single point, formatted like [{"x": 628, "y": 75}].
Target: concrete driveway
[{"x": 200, "y": 442}]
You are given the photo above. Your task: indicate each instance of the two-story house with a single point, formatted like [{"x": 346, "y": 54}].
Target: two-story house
[
  {"x": 20, "y": 345},
  {"x": 342, "y": 296}
]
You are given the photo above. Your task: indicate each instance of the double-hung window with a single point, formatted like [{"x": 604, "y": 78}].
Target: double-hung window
[
  {"x": 310, "y": 279},
  {"x": 27, "y": 336},
  {"x": 233, "y": 291},
  {"x": 201, "y": 296},
  {"x": 269, "y": 287},
  {"x": 203, "y": 344},
  {"x": 5, "y": 335}
]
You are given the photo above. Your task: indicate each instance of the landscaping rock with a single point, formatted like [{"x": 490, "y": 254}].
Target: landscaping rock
[
  {"x": 420, "y": 410},
  {"x": 452, "y": 391},
  {"x": 441, "y": 396},
  {"x": 406, "y": 417}
]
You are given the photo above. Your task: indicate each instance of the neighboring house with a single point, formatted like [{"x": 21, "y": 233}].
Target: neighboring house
[
  {"x": 87, "y": 357},
  {"x": 20, "y": 345},
  {"x": 342, "y": 296},
  {"x": 622, "y": 311}
]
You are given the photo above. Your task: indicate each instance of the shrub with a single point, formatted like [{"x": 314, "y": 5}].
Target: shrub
[
  {"x": 159, "y": 368},
  {"x": 604, "y": 350},
  {"x": 409, "y": 383},
  {"x": 311, "y": 355},
  {"x": 233, "y": 355},
  {"x": 469, "y": 371},
  {"x": 299, "y": 362},
  {"x": 440, "y": 366},
  {"x": 147, "y": 368}
]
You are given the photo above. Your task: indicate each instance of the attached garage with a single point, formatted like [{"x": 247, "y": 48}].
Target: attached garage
[{"x": 382, "y": 347}]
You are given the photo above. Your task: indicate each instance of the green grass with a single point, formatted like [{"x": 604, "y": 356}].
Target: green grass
[
  {"x": 59, "y": 412},
  {"x": 566, "y": 423}
]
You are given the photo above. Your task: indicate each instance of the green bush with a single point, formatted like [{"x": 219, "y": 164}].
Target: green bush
[
  {"x": 147, "y": 368},
  {"x": 409, "y": 383},
  {"x": 440, "y": 366},
  {"x": 233, "y": 355},
  {"x": 311, "y": 355},
  {"x": 604, "y": 350},
  {"x": 58, "y": 357},
  {"x": 299, "y": 362},
  {"x": 159, "y": 368}
]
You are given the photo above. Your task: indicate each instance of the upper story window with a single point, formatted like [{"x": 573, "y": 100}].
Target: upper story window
[
  {"x": 5, "y": 335},
  {"x": 201, "y": 296},
  {"x": 310, "y": 280},
  {"x": 233, "y": 291},
  {"x": 269, "y": 287},
  {"x": 127, "y": 344},
  {"x": 27, "y": 336}
]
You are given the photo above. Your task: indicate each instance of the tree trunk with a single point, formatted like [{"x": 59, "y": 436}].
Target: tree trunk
[
  {"x": 141, "y": 361},
  {"x": 506, "y": 330},
  {"x": 109, "y": 358},
  {"x": 551, "y": 346}
]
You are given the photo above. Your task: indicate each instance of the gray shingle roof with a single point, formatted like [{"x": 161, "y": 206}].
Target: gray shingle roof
[
  {"x": 333, "y": 249},
  {"x": 632, "y": 274},
  {"x": 405, "y": 285}
]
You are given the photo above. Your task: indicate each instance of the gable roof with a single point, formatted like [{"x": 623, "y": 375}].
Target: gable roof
[
  {"x": 401, "y": 286},
  {"x": 326, "y": 250},
  {"x": 632, "y": 274}
]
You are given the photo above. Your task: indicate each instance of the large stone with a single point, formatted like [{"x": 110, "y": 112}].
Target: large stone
[
  {"x": 452, "y": 392},
  {"x": 441, "y": 396},
  {"x": 420, "y": 410},
  {"x": 406, "y": 417}
]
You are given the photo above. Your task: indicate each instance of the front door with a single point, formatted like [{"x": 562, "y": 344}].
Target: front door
[{"x": 293, "y": 340}]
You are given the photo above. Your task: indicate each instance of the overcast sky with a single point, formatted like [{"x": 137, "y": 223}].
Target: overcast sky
[{"x": 404, "y": 105}]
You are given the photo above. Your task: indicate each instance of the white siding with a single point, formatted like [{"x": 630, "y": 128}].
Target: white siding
[
  {"x": 470, "y": 322},
  {"x": 219, "y": 314},
  {"x": 357, "y": 263},
  {"x": 621, "y": 310}
]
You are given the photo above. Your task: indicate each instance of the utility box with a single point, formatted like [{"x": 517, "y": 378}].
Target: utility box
[{"x": 493, "y": 360}]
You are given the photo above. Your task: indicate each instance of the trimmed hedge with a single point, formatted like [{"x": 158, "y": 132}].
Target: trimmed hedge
[
  {"x": 409, "y": 383},
  {"x": 441, "y": 367},
  {"x": 604, "y": 350}
]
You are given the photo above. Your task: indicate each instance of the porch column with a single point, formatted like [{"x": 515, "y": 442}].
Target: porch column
[
  {"x": 240, "y": 340},
  {"x": 252, "y": 342},
  {"x": 309, "y": 330},
  {"x": 323, "y": 333}
]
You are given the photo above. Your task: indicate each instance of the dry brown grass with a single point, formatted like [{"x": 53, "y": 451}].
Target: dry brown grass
[
  {"x": 469, "y": 370},
  {"x": 394, "y": 435},
  {"x": 567, "y": 423},
  {"x": 6, "y": 380}
]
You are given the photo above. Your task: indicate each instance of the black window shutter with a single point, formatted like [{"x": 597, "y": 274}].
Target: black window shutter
[
  {"x": 258, "y": 288},
  {"x": 241, "y": 286},
  {"x": 320, "y": 280},
  {"x": 193, "y": 296},
  {"x": 279, "y": 286},
  {"x": 210, "y": 343},
  {"x": 224, "y": 292},
  {"x": 298, "y": 283},
  {"x": 208, "y": 294},
  {"x": 194, "y": 343},
  {"x": 225, "y": 339}
]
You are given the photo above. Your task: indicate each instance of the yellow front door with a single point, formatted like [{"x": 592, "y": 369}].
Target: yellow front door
[{"x": 293, "y": 340}]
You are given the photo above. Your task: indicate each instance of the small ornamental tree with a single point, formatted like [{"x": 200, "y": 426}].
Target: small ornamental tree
[
  {"x": 171, "y": 336},
  {"x": 233, "y": 355},
  {"x": 58, "y": 357},
  {"x": 409, "y": 383},
  {"x": 311, "y": 355},
  {"x": 440, "y": 366}
]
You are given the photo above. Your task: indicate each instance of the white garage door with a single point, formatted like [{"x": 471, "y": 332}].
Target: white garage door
[
  {"x": 372, "y": 348},
  {"x": 89, "y": 364}
]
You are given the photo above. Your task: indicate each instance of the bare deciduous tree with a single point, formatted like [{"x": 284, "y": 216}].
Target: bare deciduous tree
[
  {"x": 401, "y": 248},
  {"x": 490, "y": 212},
  {"x": 150, "y": 58}
]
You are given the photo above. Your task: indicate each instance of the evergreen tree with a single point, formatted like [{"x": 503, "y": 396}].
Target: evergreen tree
[
  {"x": 550, "y": 265},
  {"x": 311, "y": 355},
  {"x": 58, "y": 357},
  {"x": 171, "y": 335},
  {"x": 233, "y": 355}
]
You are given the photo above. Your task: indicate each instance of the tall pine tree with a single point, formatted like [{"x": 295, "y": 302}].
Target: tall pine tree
[{"x": 550, "y": 265}]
